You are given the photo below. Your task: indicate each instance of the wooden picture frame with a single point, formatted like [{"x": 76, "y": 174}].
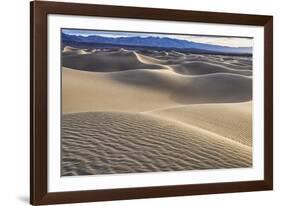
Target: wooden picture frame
[{"x": 39, "y": 11}]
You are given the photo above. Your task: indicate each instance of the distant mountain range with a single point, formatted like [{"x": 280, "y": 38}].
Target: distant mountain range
[{"x": 154, "y": 42}]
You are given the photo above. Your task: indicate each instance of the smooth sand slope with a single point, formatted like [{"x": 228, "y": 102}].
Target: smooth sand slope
[
  {"x": 231, "y": 120},
  {"x": 147, "y": 111},
  {"x": 141, "y": 90}
]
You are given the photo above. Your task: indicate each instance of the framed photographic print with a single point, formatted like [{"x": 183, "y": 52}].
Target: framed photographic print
[{"x": 133, "y": 102}]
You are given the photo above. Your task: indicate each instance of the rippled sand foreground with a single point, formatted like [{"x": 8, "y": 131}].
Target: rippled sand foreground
[{"x": 131, "y": 111}]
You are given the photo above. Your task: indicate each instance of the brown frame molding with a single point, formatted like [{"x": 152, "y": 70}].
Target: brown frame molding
[{"x": 38, "y": 102}]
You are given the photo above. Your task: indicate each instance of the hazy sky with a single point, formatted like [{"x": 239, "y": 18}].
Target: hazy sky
[{"x": 214, "y": 40}]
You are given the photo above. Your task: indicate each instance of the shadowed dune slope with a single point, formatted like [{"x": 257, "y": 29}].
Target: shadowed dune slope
[
  {"x": 232, "y": 120},
  {"x": 94, "y": 91},
  {"x": 238, "y": 63},
  {"x": 104, "y": 61},
  {"x": 141, "y": 90},
  {"x": 196, "y": 68},
  {"x": 208, "y": 62},
  {"x": 111, "y": 142},
  {"x": 120, "y": 60},
  {"x": 191, "y": 89}
]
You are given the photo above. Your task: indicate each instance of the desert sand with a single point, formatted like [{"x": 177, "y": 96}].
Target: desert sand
[{"x": 149, "y": 111}]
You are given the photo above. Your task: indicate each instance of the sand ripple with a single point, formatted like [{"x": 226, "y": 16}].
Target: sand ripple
[{"x": 113, "y": 142}]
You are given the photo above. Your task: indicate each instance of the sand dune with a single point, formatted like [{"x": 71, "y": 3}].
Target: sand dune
[
  {"x": 93, "y": 91},
  {"x": 233, "y": 62},
  {"x": 106, "y": 143},
  {"x": 196, "y": 67},
  {"x": 141, "y": 90},
  {"x": 241, "y": 63},
  {"x": 191, "y": 89},
  {"x": 106, "y": 62},
  {"x": 222, "y": 119},
  {"x": 120, "y": 60},
  {"x": 70, "y": 51},
  {"x": 128, "y": 110}
]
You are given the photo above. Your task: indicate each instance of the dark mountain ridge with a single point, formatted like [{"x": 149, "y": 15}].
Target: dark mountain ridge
[{"x": 164, "y": 43}]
